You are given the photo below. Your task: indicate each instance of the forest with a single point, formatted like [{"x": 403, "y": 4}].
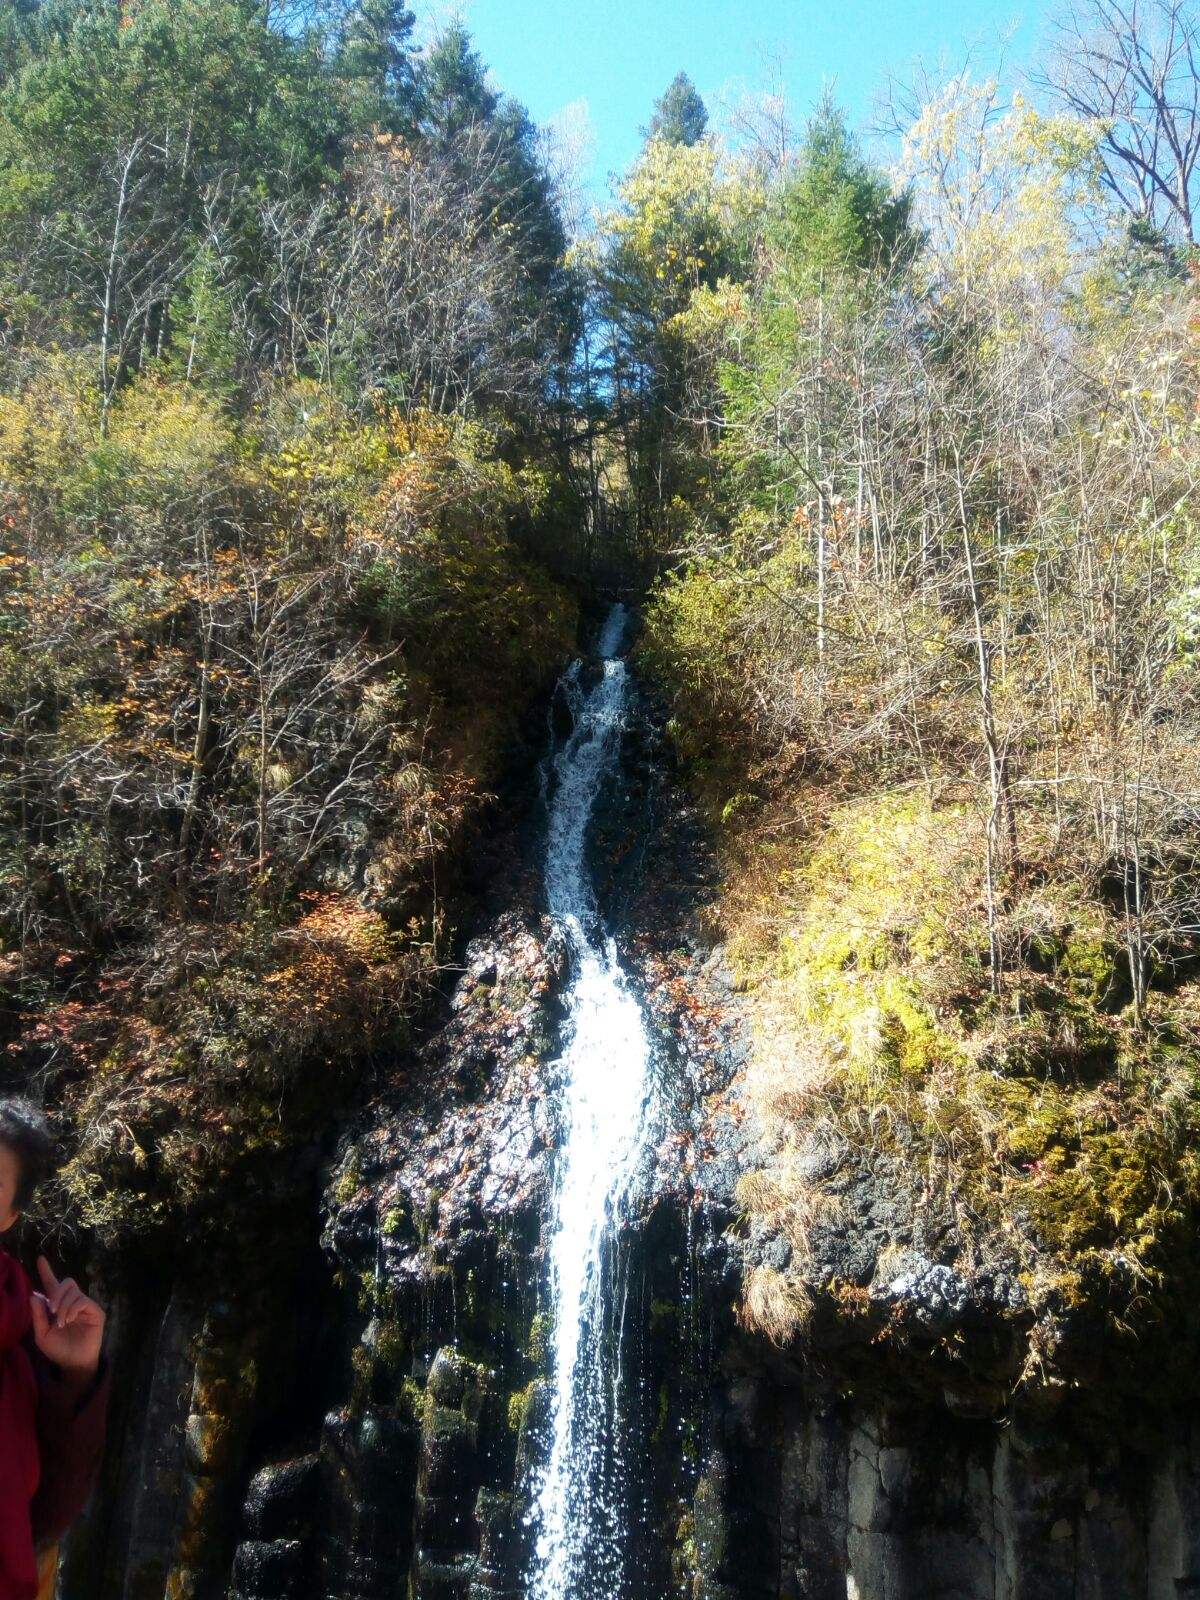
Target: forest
[{"x": 326, "y": 414}]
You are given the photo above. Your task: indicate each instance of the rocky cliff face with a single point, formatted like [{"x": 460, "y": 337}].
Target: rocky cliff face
[
  {"x": 815, "y": 1494},
  {"x": 361, "y": 1418}
]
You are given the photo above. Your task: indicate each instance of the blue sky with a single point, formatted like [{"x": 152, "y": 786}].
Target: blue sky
[{"x": 618, "y": 55}]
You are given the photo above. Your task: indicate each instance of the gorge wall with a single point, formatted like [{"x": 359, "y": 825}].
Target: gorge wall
[{"x": 356, "y": 1405}]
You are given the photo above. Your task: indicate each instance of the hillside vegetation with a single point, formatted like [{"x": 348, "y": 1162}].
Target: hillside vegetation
[
  {"x": 282, "y": 312},
  {"x": 926, "y": 454}
]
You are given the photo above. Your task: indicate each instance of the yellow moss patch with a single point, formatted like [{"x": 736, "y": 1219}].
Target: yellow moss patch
[
  {"x": 1039, "y": 1116},
  {"x": 867, "y": 943}
]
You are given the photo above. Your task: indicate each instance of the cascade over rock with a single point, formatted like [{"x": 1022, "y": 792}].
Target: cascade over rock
[{"x": 581, "y": 1511}]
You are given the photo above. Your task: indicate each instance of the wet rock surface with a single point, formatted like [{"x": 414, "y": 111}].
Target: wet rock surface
[
  {"x": 432, "y": 1183},
  {"x": 437, "y": 1203}
]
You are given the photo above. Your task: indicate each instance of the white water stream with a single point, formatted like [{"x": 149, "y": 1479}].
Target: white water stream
[{"x": 605, "y": 1093}]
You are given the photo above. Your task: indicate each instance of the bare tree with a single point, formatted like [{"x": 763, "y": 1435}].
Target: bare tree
[
  {"x": 418, "y": 281},
  {"x": 1132, "y": 68},
  {"x": 124, "y": 260},
  {"x": 761, "y": 123}
]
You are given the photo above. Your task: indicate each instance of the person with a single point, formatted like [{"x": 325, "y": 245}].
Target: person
[{"x": 53, "y": 1380}]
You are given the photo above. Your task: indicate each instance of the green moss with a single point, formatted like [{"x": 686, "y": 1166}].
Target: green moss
[
  {"x": 349, "y": 1179},
  {"x": 425, "y": 1222},
  {"x": 1086, "y": 1179},
  {"x": 663, "y": 1311},
  {"x": 390, "y": 1345},
  {"x": 662, "y": 1420},
  {"x": 1090, "y": 963},
  {"x": 411, "y": 1399},
  {"x": 540, "y": 1331},
  {"x": 393, "y": 1222},
  {"x": 882, "y": 881},
  {"x": 870, "y": 931},
  {"x": 685, "y": 1556},
  {"x": 519, "y": 1403}
]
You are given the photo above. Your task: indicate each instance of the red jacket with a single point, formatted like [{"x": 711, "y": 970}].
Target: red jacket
[
  {"x": 19, "y": 1455},
  {"x": 51, "y": 1441}
]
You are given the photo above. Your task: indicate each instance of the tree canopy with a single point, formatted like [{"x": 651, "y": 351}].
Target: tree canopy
[{"x": 680, "y": 115}]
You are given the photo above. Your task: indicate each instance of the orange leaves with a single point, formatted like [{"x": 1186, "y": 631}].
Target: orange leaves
[
  {"x": 341, "y": 923},
  {"x": 72, "y": 1035},
  {"x": 218, "y": 582},
  {"x": 337, "y": 973}
]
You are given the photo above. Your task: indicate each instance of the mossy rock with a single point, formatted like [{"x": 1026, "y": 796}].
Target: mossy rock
[
  {"x": 1054, "y": 1037},
  {"x": 1047, "y": 1127},
  {"x": 541, "y": 1330},
  {"x": 872, "y": 932},
  {"x": 1086, "y": 1181},
  {"x": 520, "y": 1404},
  {"x": 1096, "y": 970}
]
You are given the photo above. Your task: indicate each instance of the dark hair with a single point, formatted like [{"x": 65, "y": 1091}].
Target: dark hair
[{"x": 24, "y": 1131}]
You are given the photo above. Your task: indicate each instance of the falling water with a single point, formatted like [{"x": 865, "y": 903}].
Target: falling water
[{"x": 578, "y": 1508}]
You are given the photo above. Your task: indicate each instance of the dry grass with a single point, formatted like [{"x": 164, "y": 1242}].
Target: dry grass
[
  {"x": 775, "y": 1304},
  {"x": 794, "y": 1072},
  {"x": 781, "y": 1200}
]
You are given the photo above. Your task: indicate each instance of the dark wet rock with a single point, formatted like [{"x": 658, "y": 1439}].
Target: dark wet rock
[
  {"x": 423, "y": 1188},
  {"x": 282, "y": 1498},
  {"x": 447, "y": 1379},
  {"x": 368, "y": 1469},
  {"x": 274, "y": 1569},
  {"x": 718, "y": 1179},
  {"x": 505, "y": 1541}
]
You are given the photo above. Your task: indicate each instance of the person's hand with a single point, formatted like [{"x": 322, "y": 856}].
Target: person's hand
[{"x": 67, "y": 1326}]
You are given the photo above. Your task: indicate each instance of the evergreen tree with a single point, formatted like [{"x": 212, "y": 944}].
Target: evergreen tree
[
  {"x": 455, "y": 100},
  {"x": 454, "y": 93},
  {"x": 377, "y": 59},
  {"x": 835, "y": 212},
  {"x": 17, "y": 21},
  {"x": 680, "y": 115}
]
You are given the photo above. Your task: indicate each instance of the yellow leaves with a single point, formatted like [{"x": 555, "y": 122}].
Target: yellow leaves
[
  {"x": 336, "y": 963},
  {"x": 420, "y": 433},
  {"x": 14, "y": 432},
  {"x": 1001, "y": 193},
  {"x": 308, "y": 463},
  {"x": 170, "y": 437},
  {"x": 49, "y": 426},
  {"x": 675, "y": 213},
  {"x": 396, "y": 148},
  {"x": 89, "y": 722},
  {"x": 1067, "y": 146},
  {"x": 713, "y": 312},
  {"x": 668, "y": 173}
]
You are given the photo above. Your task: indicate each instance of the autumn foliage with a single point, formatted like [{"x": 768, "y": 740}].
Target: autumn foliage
[{"x": 256, "y": 676}]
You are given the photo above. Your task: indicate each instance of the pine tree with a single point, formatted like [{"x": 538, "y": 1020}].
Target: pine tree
[
  {"x": 454, "y": 92},
  {"x": 680, "y": 115},
  {"x": 456, "y": 100},
  {"x": 377, "y": 59},
  {"x": 835, "y": 211}
]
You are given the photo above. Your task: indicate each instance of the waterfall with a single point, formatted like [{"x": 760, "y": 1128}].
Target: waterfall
[{"x": 605, "y": 1090}]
